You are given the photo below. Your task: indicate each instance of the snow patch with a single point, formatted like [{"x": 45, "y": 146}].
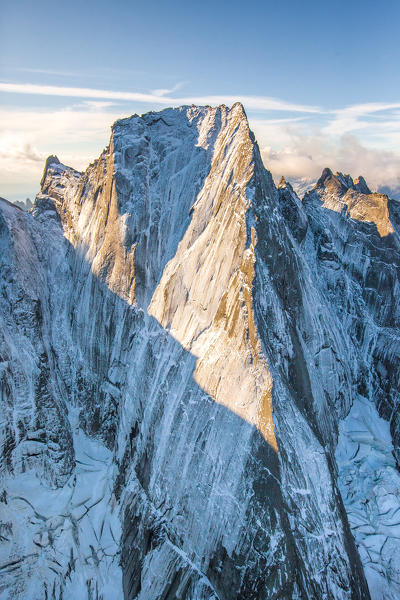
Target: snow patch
[{"x": 65, "y": 538}]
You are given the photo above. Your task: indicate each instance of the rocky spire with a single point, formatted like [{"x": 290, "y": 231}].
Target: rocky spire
[
  {"x": 50, "y": 161},
  {"x": 361, "y": 185}
]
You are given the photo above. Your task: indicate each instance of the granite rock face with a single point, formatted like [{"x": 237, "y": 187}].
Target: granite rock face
[{"x": 181, "y": 342}]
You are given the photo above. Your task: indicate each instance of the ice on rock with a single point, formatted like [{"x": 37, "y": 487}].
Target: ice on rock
[
  {"x": 63, "y": 541},
  {"x": 370, "y": 487}
]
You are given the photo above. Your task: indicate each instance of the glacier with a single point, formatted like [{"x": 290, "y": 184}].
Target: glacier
[
  {"x": 199, "y": 375},
  {"x": 370, "y": 482}
]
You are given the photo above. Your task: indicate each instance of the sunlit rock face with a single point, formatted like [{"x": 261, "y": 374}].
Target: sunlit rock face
[
  {"x": 339, "y": 192},
  {"x": 180, "y": 341}
]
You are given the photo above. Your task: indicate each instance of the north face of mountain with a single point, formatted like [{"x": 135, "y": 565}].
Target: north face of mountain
[{"x": 181, "y": 345}]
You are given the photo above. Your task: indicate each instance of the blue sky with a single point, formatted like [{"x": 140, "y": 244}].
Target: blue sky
[{"x": 319, "y": 80}]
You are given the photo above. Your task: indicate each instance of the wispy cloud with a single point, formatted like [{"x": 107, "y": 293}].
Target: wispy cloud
[
  {"x": 363, "y": 116},
  {"x": 262, "y": 103},
  {"x": 166, "y": 91},
  {"x": 48, "y": 72},
  {"x": 96, "y": 104},
  {"x": 95, "y": 72}
]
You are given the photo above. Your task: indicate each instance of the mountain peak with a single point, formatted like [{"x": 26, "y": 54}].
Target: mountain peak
[
  {"x": 339, "y": 191},
  {"x": 282, "y": 183},
  {"x": 286, "y": 185},
  {"x": 51, "y": 161},
  {"x": 342, "y": 182},
  {"x": 361, "y": 185},
  {"x": 326, "y": 174},
  {"x": 239, "y": 108}
]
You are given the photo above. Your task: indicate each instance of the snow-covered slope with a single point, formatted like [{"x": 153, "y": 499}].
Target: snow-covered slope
[
  {"x": 370, "y": 485},
  {"x": 180, "y": 340}
]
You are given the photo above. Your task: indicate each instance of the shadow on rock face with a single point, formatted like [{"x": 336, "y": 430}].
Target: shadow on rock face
[{"x": 196, "y": 483}]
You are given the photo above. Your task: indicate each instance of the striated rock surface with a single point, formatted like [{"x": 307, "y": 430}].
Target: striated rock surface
[
  {"x": 339, "y": 192},
  {"x": 181, "y": 342}
]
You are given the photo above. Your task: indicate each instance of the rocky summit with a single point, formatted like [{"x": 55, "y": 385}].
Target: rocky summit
[{"x": 199, "y": 376}]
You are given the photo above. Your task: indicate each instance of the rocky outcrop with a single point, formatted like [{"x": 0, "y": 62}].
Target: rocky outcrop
[
  {"x": 358, "y": 261},
  {"x": 189, "y": 336},
  {"x": 339, "y": 192}
]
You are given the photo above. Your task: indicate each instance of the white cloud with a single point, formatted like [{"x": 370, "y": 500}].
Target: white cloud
[
  {"x": 96, "y": 104},
  {"x": 165, "y": 91},
  {"x": 27, "y": 136},
  {"x": 298, "y": 151},
  {"x": 21, "y": 152},
  {"x": 49, "y": 72},
  {"x": 263, "y": 103},
  {"x": 367, "y": 117}
]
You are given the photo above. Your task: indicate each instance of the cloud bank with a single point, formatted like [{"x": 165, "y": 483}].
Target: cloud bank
[{"x": 298, "y": 155}]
